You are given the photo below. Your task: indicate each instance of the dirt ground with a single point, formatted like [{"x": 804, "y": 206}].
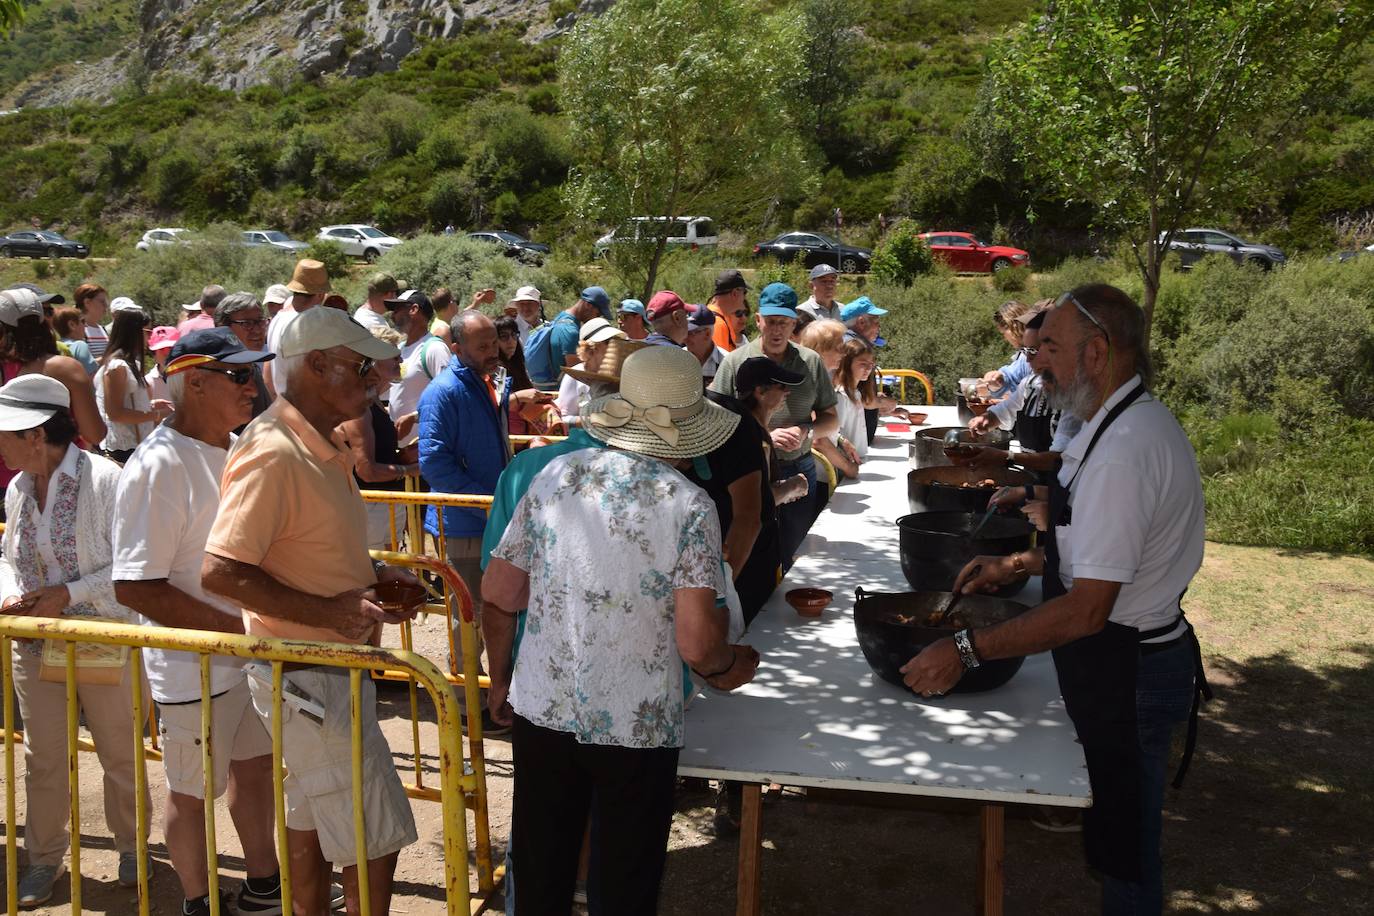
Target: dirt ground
[{"x": 1274, "y": 818}]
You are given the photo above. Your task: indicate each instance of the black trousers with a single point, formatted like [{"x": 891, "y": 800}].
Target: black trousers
[{"x": 629, "y": 794}]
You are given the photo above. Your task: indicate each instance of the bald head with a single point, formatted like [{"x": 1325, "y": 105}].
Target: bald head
[{"x": 475, "y": 336}]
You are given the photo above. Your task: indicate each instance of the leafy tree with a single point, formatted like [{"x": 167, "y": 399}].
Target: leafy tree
[
  {"x": 833, "y": 44},
  {"x": 11, "y": 14},
  {"x": 1152, "y": 111},
  {"x": 674, "y": 103},
  {"x": 902, "y": 257}
]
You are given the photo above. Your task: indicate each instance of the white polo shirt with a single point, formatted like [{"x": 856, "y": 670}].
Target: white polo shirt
[{"x": 1137, "y": 511}]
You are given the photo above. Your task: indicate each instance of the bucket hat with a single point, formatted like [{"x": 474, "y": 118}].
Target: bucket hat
[
  {"x": 309, "y": 278},
  {"x": 660, "y": 409},
  {"x": 618, "y": 349}
]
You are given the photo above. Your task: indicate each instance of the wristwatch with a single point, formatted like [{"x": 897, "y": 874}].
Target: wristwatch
[{"x": 963, "y": 641}]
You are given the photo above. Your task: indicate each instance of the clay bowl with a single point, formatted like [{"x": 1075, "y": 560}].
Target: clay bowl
[
  {"x": 395, "y": 597},
  {"x": 808, "y": 602}
]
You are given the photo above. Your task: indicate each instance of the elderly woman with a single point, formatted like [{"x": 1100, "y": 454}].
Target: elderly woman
[
  {"x": 827, "y": 338},
  {"x": 592, "y": 341},
  {"x": 372, "y": 440},
  {"x": 56, "y": 563},
  {"x": 121, "y": 386}
]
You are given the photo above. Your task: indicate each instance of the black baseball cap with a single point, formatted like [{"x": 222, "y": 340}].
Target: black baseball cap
[
  {"x": 408, "y": 298},
  {"x": 728, "y": 281},
  {"x": 43, "y": 298},
  {"x": 210, "y": 345},
  {"x": 760, "y": 370}
]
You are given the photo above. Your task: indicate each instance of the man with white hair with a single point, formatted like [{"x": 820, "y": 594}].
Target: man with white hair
[
  {"x": 289, "y": 547},
  {"x": 529, "y": 310},
  {"x": 167, "y": 498}
]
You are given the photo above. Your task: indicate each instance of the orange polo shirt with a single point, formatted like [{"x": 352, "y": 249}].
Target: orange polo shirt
[{"x": 289, "y": 504}]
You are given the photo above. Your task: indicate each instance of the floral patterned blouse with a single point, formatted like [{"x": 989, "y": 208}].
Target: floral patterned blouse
[{"x": 606, "y": 536}]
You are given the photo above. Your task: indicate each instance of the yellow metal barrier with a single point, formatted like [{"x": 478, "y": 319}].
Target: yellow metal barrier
[
  {"x": 902, "y": 375},
  {"x": 455, "y": 784}
]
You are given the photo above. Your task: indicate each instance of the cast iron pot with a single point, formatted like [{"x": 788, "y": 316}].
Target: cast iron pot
[
  {"x": 888, "y": 644},
  {"x": 943, "y": 490},
  {"x": 928, "y": 445},
  {"x": 935, "y": 546}
]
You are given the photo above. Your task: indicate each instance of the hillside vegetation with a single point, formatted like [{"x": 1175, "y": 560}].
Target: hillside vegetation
[{"x": 469, "y": 131}]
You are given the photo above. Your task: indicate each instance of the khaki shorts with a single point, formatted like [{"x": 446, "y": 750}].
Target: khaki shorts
[
  {"x": 319, "y": 762},
  {"x": 234, "y": 725}
]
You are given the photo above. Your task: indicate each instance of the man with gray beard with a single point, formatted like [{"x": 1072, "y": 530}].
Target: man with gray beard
[{"x": 1123, "y": 541}]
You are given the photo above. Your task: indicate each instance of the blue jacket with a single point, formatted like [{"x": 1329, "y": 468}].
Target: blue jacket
[
  {"x": 463, "y": 444},
  {"x": 1013, "y": 372}
]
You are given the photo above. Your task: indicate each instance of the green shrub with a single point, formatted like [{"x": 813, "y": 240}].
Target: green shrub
[
  {"x": 331, "y": 255},
  {"x": 1011, "y": 280},
  {"x": 902, "y": 257},
  {"x": 465, "y": 265}
]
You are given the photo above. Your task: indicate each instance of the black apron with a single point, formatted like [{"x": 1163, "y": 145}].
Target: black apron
[
  {"x": 1034, "y": 425},
  {"x": 1097, "y": 678}
]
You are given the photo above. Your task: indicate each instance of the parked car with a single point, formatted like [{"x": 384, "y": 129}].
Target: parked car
[
  {"x": 1365, "y": 252},
  {"x": 514, "y": 246},
  {"x": 156, "y": 238},
  {"x": 691, "y": 232},
  {"x": 359, "y": 240},
  {"x": 1192, "y": 245},
  {"x": 968, "y": 254},
  {"x": 271, "y": 238},
  {"x": 812, "y": 248},
  {"x": 40, "y": 244}
]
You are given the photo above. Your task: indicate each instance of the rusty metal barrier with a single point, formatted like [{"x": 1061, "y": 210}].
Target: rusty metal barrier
[{"x": 459, "y": 789}]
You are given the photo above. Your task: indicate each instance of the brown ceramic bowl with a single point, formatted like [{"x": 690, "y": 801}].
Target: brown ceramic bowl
[
  {"x": 808, "y": 602},
  {"x": 399, "y": 596},
  {"x": 916, "y": 419}
]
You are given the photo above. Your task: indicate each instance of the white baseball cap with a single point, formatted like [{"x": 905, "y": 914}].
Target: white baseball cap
[
  {"x": 31, "y": 400},
  {"x": 18, "y": 302},
  {"x": 597, "y": 330},
  {"x": 277, "y": 293},
  {"x": 125, "y": 304},
  {"x": 321, "y": 328}
]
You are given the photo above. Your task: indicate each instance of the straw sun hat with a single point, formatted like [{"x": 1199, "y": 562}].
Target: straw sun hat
[
  {"x": 660, "y": 409},
  {"x": 618, "y": 349}
]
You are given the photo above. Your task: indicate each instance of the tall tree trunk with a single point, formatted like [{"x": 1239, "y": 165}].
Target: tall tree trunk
[{"x": 659, "y": 245}]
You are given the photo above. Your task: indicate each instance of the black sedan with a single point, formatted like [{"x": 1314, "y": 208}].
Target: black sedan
[
  {"x": 36, "y": 244},
  {"x": 514, "y": 246},
  {"x": 812, "y": 248}
]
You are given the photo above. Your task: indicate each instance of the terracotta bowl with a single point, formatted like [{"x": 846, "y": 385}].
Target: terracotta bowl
[
  {"x": 917, "y": 418},
  {"x": 808, "y": 602},
  {"x": 399, "y": 596}
]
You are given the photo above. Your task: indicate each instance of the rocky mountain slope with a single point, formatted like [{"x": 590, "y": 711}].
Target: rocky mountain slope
[{"x": 235, "y": 44}]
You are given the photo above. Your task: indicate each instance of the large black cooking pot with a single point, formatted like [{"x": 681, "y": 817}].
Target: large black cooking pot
[
  {"x": 892, "y": 629},
  {"x": 928, "y": 445},
  {"x": 935, "y": 546},
  {"x": 955, "y": 489}
]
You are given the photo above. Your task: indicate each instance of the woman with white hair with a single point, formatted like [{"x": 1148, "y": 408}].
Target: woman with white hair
[{"x": 56, "y": 563}]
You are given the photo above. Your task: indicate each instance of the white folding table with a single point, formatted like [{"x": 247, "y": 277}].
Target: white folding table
[{"x": 816, "y": 714}]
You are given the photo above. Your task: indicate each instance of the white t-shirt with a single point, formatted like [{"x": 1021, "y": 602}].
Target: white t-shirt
[
  {"x": 421, "y": 363},
  {"x": 525, "y": 327},
  {"x": 852, "y": 424},
  {"x": 275, "y": 328},
  {"x": 572, "y": 394},
  {"x": 164, "y": 508},
  {"x": 370, "y": 319},
  {"x": 1137, "y": 511},
  {"x": 121, "y": 436}
]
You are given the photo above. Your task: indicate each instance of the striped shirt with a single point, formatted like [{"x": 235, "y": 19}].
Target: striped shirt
[{"x": 98, "y": 340}]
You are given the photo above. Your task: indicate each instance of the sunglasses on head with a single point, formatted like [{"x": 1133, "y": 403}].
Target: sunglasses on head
[
  {"x": 240, "y": 376},
  {"x": 1069, "y": 297}
]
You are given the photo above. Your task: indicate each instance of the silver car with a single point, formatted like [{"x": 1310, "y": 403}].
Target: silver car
[{"x": 1192, "y": 245}]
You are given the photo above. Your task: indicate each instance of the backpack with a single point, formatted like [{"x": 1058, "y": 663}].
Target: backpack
[
  {"x": 424, "y": 351},
  {"x": 539, "y": 352}
]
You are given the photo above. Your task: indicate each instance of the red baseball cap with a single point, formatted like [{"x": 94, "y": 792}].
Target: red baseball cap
[{"x": 664, "y": 302}]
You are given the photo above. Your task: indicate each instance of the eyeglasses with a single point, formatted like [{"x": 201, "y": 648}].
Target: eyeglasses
[
  {"x": 1030, "y": 352},
  {"x": 1069, "y": 297},
  {"x": 249, "y": 322},
  {"x": 237, "y": 376},
  {"x": 364, "y": 367}
]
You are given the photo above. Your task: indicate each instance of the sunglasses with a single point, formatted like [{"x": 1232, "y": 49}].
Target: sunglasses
[
  {"x": 237, "y": 376},
  {"x": 249, "y": 322},
  {"x": 364, "y": 367},
  {"x": 1069, "y": 297},
  {"x": 740, "y": 313}
]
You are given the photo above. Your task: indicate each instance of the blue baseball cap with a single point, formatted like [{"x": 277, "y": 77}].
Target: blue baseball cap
[
  {"x": 634, "y": 307},
  {"x": 778, "y": 299},
  {"x": 598, "y": 297},
  {"x": 860, "y": 306}
]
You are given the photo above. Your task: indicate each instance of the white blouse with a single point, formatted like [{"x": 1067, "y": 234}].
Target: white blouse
[{"x": 123, "y": 436}]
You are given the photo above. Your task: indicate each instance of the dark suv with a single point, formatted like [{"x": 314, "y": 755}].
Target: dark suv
[{"x": 1192, "y": 245}]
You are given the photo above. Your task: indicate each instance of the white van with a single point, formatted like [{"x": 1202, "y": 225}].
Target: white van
[{"x": 691, "y": 232}]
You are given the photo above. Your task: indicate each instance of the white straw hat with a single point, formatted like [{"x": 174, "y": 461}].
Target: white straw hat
[{"x": 660, "y": 409}]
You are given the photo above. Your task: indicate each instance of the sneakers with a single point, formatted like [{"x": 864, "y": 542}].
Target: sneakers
[
  {"x": 128, "y": 869},
  {"x": 252, "y": 903},
  {"x": 35, "y": 888},
  {"x": 201, "y": 907},
  {"x": 1057, "y": 820}
]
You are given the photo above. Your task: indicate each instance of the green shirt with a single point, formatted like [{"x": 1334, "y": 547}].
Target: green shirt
[{"x": 815, "y": 393}]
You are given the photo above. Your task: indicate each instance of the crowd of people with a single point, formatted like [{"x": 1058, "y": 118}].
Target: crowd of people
[{"x": 206, "y": 475}]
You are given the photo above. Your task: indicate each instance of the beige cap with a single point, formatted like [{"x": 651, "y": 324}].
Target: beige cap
[
  {"x": 309, "y": 278},
  {"x": 324, "y": 328}
]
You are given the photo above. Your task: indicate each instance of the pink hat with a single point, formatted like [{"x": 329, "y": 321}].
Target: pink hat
[
  {"x": 665, "y": 302},
  {"x": 163, "y": 338}
]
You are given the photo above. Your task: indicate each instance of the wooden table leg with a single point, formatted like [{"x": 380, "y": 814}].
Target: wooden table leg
[
  {"x": 990, "y": 847},
  {"x": 749, "y": 894}
]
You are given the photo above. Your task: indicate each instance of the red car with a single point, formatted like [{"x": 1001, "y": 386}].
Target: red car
[{"x": 966, "y": 254}]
